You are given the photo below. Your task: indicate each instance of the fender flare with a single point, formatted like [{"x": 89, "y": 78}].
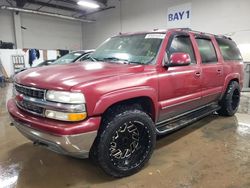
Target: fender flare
[
  {"x": 229, "y": 78},
  {"x": 117, "y": 96}
]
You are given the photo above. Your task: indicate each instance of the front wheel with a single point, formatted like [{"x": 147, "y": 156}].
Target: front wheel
[
  {"x": 231, "y": 100},
  {"x": 126, "y": 143}
]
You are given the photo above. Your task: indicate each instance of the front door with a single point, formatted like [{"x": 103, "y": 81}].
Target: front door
[{"x": 179, "y": 87}]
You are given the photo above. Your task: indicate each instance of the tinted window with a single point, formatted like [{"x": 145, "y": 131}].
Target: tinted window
[
  {"x": 181, "y": 44},
  {"x": 229, "y": 49},
  {"x": 207, "y": 51}
]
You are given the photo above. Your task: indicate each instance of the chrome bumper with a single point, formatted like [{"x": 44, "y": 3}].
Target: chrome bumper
[{"x": 74, "y": 145}]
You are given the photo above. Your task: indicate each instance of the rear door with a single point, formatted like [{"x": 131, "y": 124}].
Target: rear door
[{"x": 211, "y": 70}]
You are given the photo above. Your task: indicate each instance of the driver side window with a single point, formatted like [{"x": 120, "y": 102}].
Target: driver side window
[{"x": 181, "y": 44}]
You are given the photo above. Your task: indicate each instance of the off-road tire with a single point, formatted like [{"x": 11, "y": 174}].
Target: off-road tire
[
  {"x": 126, "y": 142},
  {"x": 231, "y": 99}
]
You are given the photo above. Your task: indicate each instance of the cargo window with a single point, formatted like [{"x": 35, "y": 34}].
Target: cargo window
[
  {"x": 181, "y": 44},
  {"x": 207, "y": 51},
  {"x": 229, "y": 50}
]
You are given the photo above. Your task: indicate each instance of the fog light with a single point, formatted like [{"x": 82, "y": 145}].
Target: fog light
[{"x": 65, "y": 116}]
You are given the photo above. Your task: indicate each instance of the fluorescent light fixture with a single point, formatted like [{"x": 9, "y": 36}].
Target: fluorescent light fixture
[{"x": 88, "y": 4}]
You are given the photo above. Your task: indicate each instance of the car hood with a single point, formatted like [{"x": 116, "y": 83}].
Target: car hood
[{"x": 64, "y": 77}]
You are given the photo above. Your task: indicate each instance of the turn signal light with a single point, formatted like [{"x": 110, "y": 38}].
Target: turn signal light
[
  {"x": 77, "y": 116},
  {"x": 64, "y": 116}
]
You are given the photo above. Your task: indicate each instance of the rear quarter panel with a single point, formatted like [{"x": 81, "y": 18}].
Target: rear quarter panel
[{"x": 232, "y": 70}]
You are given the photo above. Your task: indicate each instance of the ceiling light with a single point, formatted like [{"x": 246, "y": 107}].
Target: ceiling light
[{"x": 88, "y": 4}]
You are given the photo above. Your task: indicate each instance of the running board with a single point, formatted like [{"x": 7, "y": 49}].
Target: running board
[{"x": 177, "y": 123}]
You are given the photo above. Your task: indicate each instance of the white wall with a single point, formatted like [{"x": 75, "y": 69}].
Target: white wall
[
  {"x": 42, "y": 32},
  {"x": 215, "y": 16},
  {"x": 6, "y": 27},
  {"x": 107, "y": 24},
  {"x": 45, "y": 32}
]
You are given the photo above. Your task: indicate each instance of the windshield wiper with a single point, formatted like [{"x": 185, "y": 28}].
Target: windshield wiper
[
  {"x": 124, "y": 61},
  {"x": 136, "y": 62},
  {"x": 93, "y": 59},
  {"x": 112, "y": 59}
]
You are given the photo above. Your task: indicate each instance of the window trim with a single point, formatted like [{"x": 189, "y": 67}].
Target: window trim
[
  {"x": 227, "y": 39},
  {"x": 208, "y": 39},
  {"x": 181, "y": 34}
]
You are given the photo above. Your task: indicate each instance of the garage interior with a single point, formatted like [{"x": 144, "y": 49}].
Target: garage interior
[{"x": 212, "y": 152}]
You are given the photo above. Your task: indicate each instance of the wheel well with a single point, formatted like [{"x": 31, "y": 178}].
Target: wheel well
[
  {"x": 235, "y": 79},
  {"x": 145, "y": 103},
  {"x": 224, "y": 92}
]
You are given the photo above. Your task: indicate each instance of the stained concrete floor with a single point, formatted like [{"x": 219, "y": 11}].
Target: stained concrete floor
[{"x": 212, "y": 153}]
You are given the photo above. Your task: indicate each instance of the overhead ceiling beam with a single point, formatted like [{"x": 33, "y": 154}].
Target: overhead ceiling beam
[
  {"x": 68, "y": 1},
  {"x": 104, "y": 2},
  {"x": 50, "y": 5},
  {"x": 16, "y": 9}
]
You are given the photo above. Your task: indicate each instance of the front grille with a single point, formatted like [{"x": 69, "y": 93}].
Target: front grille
[
  {"x": 27, "y": 106},
  {"x": 30, "y": 104},
  {"x": 30, "y": 92}
]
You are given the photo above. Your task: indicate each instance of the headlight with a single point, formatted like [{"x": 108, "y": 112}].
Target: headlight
[
  {"x": 76, "y": 109},
  {"x": 65, "y": 97}
]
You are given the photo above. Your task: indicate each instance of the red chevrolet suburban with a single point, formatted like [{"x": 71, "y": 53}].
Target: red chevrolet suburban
[{"x": 134, "y": 87}]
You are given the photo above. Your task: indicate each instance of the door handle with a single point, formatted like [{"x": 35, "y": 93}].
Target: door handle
[
  {"x": 219, "y": 71},
  {"x": 197, "y": 74}
]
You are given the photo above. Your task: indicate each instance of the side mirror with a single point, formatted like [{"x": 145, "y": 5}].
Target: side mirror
[{"x": 179, "y": 59}]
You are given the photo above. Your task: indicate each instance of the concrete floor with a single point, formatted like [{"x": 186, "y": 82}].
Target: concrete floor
[{"x": 213, "y": 153}]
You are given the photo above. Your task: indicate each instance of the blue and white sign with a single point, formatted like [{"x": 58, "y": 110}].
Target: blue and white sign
[{"x": 179, "y": 16}]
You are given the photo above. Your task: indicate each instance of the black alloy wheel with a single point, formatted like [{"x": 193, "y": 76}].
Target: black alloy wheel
[
  {"x": 126, "y": 143},
  {"x": 231, "y": 100}
]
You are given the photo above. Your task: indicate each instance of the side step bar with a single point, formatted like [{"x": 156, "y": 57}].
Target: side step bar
[{"x": 166, "y": 127}]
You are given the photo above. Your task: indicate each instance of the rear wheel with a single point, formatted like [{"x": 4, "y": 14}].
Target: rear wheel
[
  {"x": 231, "y": 100},
  {"x": 126, "y": 143}
]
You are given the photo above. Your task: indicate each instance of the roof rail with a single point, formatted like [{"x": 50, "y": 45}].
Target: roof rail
[
  {"x": 223, "y": 36},
  {"x": 194, "y": 31},
  {"x": 185, "y": 29}
]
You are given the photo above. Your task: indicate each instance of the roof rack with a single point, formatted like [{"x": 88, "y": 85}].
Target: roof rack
[
  {"x": 204, "y": 33},
  {"x": 223, "y": 36},
  {"x": 194, "y": 31}
]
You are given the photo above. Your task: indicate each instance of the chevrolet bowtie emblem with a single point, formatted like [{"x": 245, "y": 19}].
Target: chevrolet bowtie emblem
[{"x": 19, "y": 97}]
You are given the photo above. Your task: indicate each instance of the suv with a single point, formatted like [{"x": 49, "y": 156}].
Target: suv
[{"x": 134, "y": 87}]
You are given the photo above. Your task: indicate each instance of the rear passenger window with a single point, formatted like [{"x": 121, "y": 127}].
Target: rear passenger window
[
  {"x": 181, "y": 44},
  {"x": 207, "y": 51},
  {"x": 229, "y": 50}
]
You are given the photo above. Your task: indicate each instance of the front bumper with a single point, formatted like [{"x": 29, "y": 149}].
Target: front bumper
[
  {"x": 75, "y": 139},
  {"x": 73, "y": 145}
]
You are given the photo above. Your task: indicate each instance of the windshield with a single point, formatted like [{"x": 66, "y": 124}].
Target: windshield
[
  {"x": 68, "y": 58},
  {"x": 139, "y": 48}
]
